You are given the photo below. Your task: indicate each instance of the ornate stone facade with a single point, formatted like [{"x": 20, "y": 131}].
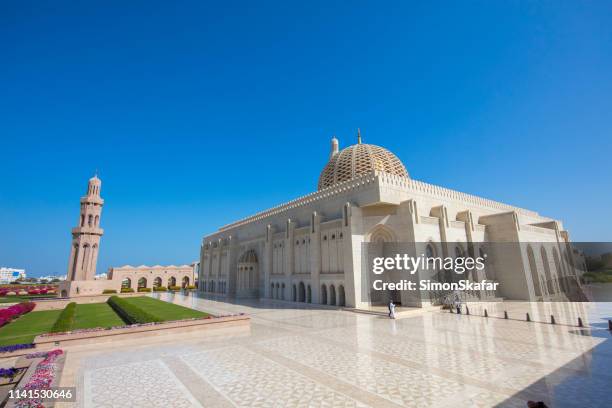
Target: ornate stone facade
[{"x": 310, "y": 249}]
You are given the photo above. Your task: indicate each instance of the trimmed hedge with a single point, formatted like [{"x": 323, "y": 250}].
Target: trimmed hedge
[
  {"x": 129, "y": 313},
  {"x": 174, "y": 288},
  {"x": 108, "y": 291},
  {"x": 191, "y": 287},
  {"x": 127, "y": 290},
  {"x": 144, "y": 289},
  {"x": 160, "y": 289},
  {"x": 65, "y": 321}
]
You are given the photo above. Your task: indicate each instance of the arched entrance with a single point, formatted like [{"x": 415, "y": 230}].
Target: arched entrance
[
  {"x": 126, "y": 283},
  {"x": 142, "y": 283},
  {"x": 533, "y": 269},
  {"x": 302, "y": 292},
  {"x": 172, "y": 281},
  {"x": 247, "y": 281},
  {"x": 332, "y": 295},
  {"x": 157, "y": 282},
  {"x": 294, "y": 293},
  {"x": 323, "y": 294},
  {"x": 185, "y": 282},
  {"x": 308, "y": 294},
  {"x": 341, "y": 298}
]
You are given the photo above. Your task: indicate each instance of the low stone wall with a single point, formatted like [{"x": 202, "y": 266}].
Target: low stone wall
[{"x": 120, "y": 333}]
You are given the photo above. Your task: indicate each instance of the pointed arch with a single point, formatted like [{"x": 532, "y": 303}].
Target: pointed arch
[{"x": 381, "y": 233}]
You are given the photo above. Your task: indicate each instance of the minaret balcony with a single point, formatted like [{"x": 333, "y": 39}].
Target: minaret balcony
[{"x": 88, "y": 230}]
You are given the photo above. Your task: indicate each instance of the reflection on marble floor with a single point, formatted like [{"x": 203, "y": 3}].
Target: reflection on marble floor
[{"x": 300, "y": 356}]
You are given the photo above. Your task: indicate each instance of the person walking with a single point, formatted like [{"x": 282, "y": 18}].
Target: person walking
[{"x": 391, "y": 309}]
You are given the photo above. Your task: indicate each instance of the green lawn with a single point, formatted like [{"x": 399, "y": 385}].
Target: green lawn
[
  {"x": 93, "y": 315},
  {"x": 28, "y": 326},
  {"x": 164, "y": 310}
]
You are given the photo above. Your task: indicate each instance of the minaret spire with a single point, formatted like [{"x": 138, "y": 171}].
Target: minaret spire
[{"x": 358, "y": 136}]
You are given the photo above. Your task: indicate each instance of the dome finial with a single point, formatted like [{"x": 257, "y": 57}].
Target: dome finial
[
  {"x": 358, "y": 136},
  {"x": 334, "y": 147}
]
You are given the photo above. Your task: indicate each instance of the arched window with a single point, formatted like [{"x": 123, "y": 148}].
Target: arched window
[
  {"x": 301, "y": 292},
  {"x": 294, "y": 293},
  {"x": 97, "y": 220},
  {"x": 89, "y": 220},
  {"x": 283, "y": 291},
  {"x": 550, "y": 284},
  {"x": 323, "y": 294},
  {"x": 157, "y": 282},
  {"x": 533, "y": 269},
  {"x": 332, "y": 295},
  {"x": 126, "y": 283},
  {"x": 308, "y": 294},
  {"x": 142, "y": 283},
  {"x": 341, "y": 296}
]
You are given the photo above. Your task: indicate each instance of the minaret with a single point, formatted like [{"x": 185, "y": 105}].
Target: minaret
[{"x": 86, "y": 236}]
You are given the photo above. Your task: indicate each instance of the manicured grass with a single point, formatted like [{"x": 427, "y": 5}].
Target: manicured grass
[
  {"x": 25, "y": 328},
  {"x": 164, "y": 310},
  {"x": 93, "y": 315},
  {"x": 17, "y": 298}
]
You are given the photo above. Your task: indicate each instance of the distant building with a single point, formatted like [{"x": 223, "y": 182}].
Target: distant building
[
  {"x": 50, "y": 278},
  {"x": 8, "y": 275},
  {"x": 152, "y": 276}
]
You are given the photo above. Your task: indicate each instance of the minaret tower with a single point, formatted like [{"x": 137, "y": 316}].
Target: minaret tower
[{"x": 86, "y": 236}]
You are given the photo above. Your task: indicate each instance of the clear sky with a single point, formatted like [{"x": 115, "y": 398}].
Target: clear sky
[{"x": 196, "y": 114}]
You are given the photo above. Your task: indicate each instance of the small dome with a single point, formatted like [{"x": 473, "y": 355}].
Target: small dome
[
  {"x": 248, "y": 257},
  {"x": 359, "y": 159}
]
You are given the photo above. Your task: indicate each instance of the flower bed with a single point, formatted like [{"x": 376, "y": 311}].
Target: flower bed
[
  {"x": 8, "y": 372},
  {"x": 43, "y": 377},
  {"x": 12, "y": 290},
  {"x": 11, "y": 312},
  {"x": 15, "y": 347}
]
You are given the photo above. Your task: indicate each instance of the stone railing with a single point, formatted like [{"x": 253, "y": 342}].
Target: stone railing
[
  {"x": 346, "y": 186},
  {"x": 538, "y": 230},
  {"x": 386, "y": 179}
]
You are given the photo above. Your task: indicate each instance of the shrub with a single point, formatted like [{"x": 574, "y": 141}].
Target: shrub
[
  {"x": 130, "y": 313},
  {"x": 65, "y": 321},
  {"x": 127, "y": 290},
  {"x": 174, "y": 288},
  {"x": 160, "y": 289},
  {"x": 144, "y": 289},
  {"x": 107, "y": 291},
  {"x": 191, "y": 287}
]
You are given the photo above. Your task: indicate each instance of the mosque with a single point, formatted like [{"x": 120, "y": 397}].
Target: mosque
[{"x": 315, "y": 248}]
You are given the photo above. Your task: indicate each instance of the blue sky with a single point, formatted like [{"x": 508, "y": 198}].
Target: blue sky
[{"x": 196, "y": 114}]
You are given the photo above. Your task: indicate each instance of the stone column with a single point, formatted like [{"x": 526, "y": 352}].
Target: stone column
[
  {"x": 315, "y": 256},
  {"x": 267, "y": 261}
]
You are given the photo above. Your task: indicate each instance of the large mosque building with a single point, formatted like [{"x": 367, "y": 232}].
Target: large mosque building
[{"x": 313, "y": 249}]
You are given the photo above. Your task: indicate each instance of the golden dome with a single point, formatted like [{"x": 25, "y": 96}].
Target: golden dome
[{"x": 356, "y": 160}]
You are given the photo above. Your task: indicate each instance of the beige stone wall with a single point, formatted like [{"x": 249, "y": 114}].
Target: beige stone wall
[{"x": 164, "y": 275}]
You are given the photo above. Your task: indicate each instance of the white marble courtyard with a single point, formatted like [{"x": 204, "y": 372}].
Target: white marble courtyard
[{"x": 323, "y": 357}]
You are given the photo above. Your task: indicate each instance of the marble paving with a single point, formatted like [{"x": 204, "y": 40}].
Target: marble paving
[{"x": 297, "y": 355}]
